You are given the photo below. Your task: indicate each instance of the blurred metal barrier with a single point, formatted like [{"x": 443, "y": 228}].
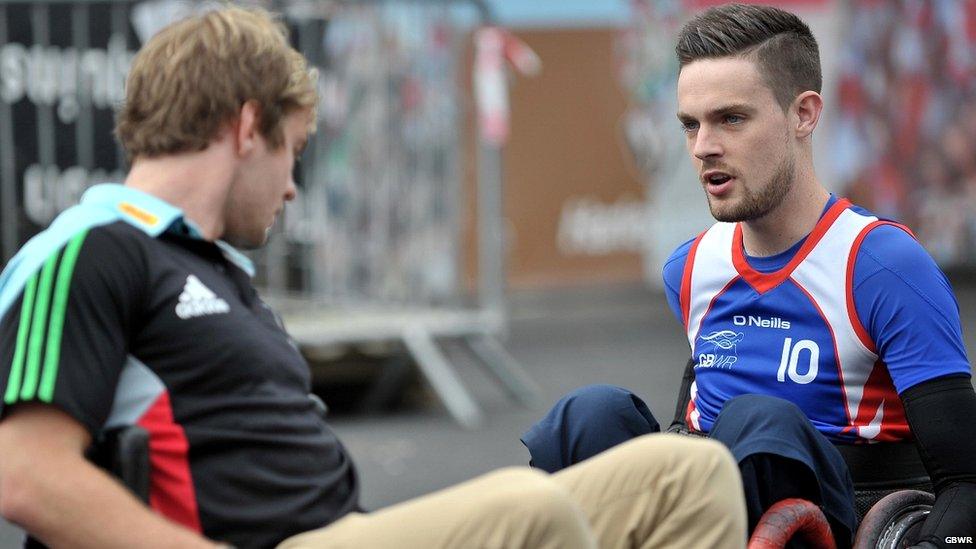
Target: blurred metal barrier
[{"x": 370, "y": 250}]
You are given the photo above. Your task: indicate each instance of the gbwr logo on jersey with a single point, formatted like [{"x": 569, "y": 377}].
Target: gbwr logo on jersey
[{"x": 723, "y": 343}]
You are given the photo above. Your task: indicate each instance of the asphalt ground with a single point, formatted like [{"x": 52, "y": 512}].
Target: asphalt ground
[{"x": 565, "y": 339}]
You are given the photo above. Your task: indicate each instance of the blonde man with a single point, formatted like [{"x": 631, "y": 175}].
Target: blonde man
[{"x": 133, "y": 308}]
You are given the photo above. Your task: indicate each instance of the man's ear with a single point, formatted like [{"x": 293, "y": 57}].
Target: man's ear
[
  {"x": 246, "y": 130},
  {"x": 808, "y": 106}
]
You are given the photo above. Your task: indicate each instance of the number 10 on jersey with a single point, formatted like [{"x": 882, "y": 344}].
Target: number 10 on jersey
[{"x": 788, "y": 363}]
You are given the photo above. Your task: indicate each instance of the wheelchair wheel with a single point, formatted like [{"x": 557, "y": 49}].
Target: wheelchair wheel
[
  {"x": 792, "y": 518},
  {"x": 894, "y": 521}
]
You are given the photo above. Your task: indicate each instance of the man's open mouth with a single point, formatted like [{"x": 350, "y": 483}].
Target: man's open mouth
[{"x": 718, "y": 178}]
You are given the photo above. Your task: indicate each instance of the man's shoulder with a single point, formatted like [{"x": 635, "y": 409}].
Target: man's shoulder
[
  {"x": 893, "y": 247},
  {"x": 674, "y": 266},
  {"x": 100, "y": 227},
  {"x": 888, "y": 243},
  {"x": 101, "y": 236}
]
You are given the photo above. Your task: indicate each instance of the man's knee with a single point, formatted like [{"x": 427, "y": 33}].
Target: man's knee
[
  {"x": 596, "y": 394},
  {"x": 586, "y": 422},
  {"x": 601, "y": 402}
]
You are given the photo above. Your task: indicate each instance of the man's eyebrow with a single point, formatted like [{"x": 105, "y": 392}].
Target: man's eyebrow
[
  {"x": 734, "y": 107},
  {"x": 719, "y": 111}
]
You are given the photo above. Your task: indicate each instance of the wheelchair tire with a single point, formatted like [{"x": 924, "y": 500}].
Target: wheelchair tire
[
  {"x": 789, "y": 519},
  {"x": 894, "y": 521}
]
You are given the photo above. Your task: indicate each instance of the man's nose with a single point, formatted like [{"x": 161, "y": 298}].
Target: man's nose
[{"x": 706, "y": 145}]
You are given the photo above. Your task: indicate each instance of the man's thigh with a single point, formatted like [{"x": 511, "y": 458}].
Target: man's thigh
[
  {"x": 661, "y": 491},
  {"x": 512, "y": 508}
]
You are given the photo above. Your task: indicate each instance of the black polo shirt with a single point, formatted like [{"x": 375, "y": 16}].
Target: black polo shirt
[{"x": 132, "y": 319}]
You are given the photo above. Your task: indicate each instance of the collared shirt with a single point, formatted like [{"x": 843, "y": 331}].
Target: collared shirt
[{"x": 121, "y": 314}]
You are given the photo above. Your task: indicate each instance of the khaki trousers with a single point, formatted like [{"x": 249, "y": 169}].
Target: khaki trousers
[{"x": 656, "y": 491}]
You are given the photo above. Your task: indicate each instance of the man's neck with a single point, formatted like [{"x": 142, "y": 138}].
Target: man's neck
[
  {"x": 783, "y": 227},
  {"x": 195, "y": 182}
]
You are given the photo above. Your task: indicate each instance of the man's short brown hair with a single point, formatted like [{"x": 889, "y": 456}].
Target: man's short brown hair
[
  {"x": 780, "y": 43},
  {"x": 192, "y": 78}
]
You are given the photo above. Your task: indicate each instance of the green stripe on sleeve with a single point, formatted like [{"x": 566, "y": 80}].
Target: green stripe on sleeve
[
  {"x": 52, "y": 353},
  {"x": 38, "y": 324},
  {"x": 17, "y": 366}
]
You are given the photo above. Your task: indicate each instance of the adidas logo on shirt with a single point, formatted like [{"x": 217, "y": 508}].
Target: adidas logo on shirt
[{"x": 198, "y": 300}]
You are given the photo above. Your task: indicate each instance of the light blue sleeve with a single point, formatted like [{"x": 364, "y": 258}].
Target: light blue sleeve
[{"x": 35, "y": 252}]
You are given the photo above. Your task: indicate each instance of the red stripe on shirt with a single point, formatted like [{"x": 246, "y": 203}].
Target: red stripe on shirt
[
  {"x": 693, "y": 390},
  {"x": 684, "y": 295},
  {"x": 877, "y": 390},
  {"x": 763, "y": 282},
  {"x": 859, "y": 329},
  {"x": 171, "y": 492}
]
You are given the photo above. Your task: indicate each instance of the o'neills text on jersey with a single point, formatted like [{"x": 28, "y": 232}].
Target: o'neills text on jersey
[{"x": 772, "y": 322}]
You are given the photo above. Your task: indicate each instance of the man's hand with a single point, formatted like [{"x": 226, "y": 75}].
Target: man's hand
[{"x": 50, "y": 489}]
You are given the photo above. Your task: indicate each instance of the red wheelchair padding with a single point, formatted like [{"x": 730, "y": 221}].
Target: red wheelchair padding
[{"x": 792, "y": 517}]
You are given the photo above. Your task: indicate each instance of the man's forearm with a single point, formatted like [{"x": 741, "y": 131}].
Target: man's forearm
[
  {"x": 938, "y": 412},
  {"x": 50, "y": 489},
  {"x": 75, "y": 504}
]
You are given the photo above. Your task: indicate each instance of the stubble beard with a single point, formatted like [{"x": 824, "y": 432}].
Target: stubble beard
[{"x": 755, "y": 205}]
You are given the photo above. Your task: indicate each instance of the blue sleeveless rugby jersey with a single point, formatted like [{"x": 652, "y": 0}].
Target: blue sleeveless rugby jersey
[{"x": 795, "y": 332}]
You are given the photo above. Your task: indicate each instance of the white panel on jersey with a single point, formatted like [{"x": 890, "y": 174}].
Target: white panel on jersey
[
  {"x": 823, "y": 274},
  {"x": 713, "y": 269},
  {"x": 695, "y": 414},
  {"x": 872, "y": 429}
]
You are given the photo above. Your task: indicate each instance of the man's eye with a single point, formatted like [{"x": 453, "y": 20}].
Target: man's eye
[
  {"x": 733, "y": 119},
  {"x": 689, "y": 127}
]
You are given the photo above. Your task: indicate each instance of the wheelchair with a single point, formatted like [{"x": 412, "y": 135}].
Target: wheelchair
[{"x": 892, "y": 495}]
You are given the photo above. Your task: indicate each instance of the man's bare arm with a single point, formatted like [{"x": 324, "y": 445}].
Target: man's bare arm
[{"x": 50, "y": 489}]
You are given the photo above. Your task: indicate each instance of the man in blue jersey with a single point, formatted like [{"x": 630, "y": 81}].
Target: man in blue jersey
[
  {"x": 814, "y": 326},
  {"x": 134, "y": 309}
]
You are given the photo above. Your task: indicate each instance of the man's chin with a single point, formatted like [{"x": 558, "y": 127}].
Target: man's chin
[{"x": 724, "y": 211}]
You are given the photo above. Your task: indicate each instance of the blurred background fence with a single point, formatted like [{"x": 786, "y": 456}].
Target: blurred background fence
[
  {"x": 370, "y": 250},
  {"x": 378, "y": 214}
]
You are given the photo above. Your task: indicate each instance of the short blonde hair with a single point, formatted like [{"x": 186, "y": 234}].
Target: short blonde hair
[{"x": 192, "y": 78}]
